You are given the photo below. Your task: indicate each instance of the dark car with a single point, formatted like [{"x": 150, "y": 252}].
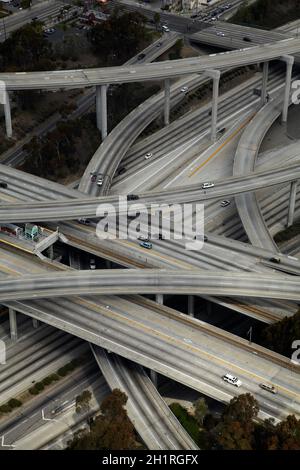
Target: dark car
[
  {"x": 3, "y": 185},
  {"x": 141, "y": 56},
  {"x": 132, "y": 197},
  {"x": 275, "y": 259},
  {"x": 247, "y": 39},
  {"x": 122, "y": 170}
]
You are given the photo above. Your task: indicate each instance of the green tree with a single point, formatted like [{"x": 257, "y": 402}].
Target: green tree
[
  {"x": 243, "y": 408},
  {"x": 201, "y": 410},
  {"x": 83, "y": 401},
  {"x": 122, "y": 36},
  {"x": 280, "y": 335},
  {"x": 112, "y": 430},
  {"x": 156, "y": 19}
]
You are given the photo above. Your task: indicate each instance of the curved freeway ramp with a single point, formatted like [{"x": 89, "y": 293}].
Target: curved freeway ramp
[
  {"x": 244, "y": 163},
  {"x": 71, "y": 79},
  {"x": 149, "y": 281},
  {"x": 84, "y": 206},
  {"x": 151, "y": 416}
]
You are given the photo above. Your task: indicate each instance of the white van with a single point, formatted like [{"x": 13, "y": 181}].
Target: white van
[{"x": 231, "y": 379}]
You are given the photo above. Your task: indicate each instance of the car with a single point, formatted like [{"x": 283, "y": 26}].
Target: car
[
  {"x": 207, "y": 185},
  {"x": 132, "y": 197},
  {"x": 147, "y": 245},
  {"x": 94, "y": 177},
  {"x": 92, "y": 264},
  {"x": 247, "y": 39},
  {"x": 201, "y": 237},
  {"x": 143, "y": 238},
  {"x": 122, "y": 170},
  {"x": 148, "y": 155},
  {"x": 165, "y": 28},
  {"x": 158, "y": 44},
  {"x": 141, "y": 56},
  {"x": 35, "y": 18},
  {"x": 225, "y": 203},
  {"x": 213, "y": 18},
  {"x": 84, "y": 221},
  {"x": 100, "y": 181},
  {"x": 3, "y": 185},
  {"x": 275, "y": 259},
  {"x": 222, "y": 130},
  {"x": 220, "y": 33},
  {"x": 184, "y": 89},
  {"x": 268, "y": 388},
  {"x": 231, "y": 379}
]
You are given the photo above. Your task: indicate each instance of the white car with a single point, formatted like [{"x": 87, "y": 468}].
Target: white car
[
  {"x": 143, "y": 238},
  {"x": 184, "y": 89},
  {"x": 92, "y": 264},
  {"x": 207, "y": 185},
  {"x": 165, "y": 29},
  {"x": 220, "y": 33},
  {"x": 225, "y": 203},
  {"x": 148, "y": 155},
  {"x": 231, "y": 379},
  {"x": 100, "y": 181}
]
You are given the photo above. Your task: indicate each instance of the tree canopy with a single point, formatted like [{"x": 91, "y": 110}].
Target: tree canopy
[{"x": 121, "y": 36}]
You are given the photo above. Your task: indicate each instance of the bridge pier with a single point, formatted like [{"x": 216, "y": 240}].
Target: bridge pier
[
  {"x": 289, "y": 60},
  {"x": 215, "y": 75},
  {"x": 191, "y": 305},
  {"x": 7, "y": 114},
  {"x": 101, "y": 109},
  {"x": 264, "y": 83},
  {"x": 167, "y": 102},
  {"x": 159, "y": 298},
  {"x": 13, "y": 324},
  {"x": 292, "y": 203}
]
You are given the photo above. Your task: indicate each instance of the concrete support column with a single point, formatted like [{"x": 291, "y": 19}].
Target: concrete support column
[
  {"x": 35, "y": 323},
  {"x": 13, "y": 324},
  {"x": 167, "y": 102},
  {"x": 51, "y": 252},
  {"x": 264, "y": 83},
  {"x": 7, "y": 114},
  {"x": 98, "y": 107},
  {"x": 159, "y": 298},
  {"x": 191, "y": 305},
  {"x": 215, "y": 75},
  {"x": 101, "y": 109},
  {"x": 292, "y": 202},
  {"x": 153, "y": 377},
  {"x": 289, "y": 60}
]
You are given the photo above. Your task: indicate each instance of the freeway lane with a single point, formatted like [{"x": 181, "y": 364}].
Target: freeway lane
[
  {"x": 69, "y": 209},
  {"x": 152, "y": 71},
  {"x": 185, "y": 349},
  {"x": 152, "y": 281},
  {"x": 146, "y": 409}
]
